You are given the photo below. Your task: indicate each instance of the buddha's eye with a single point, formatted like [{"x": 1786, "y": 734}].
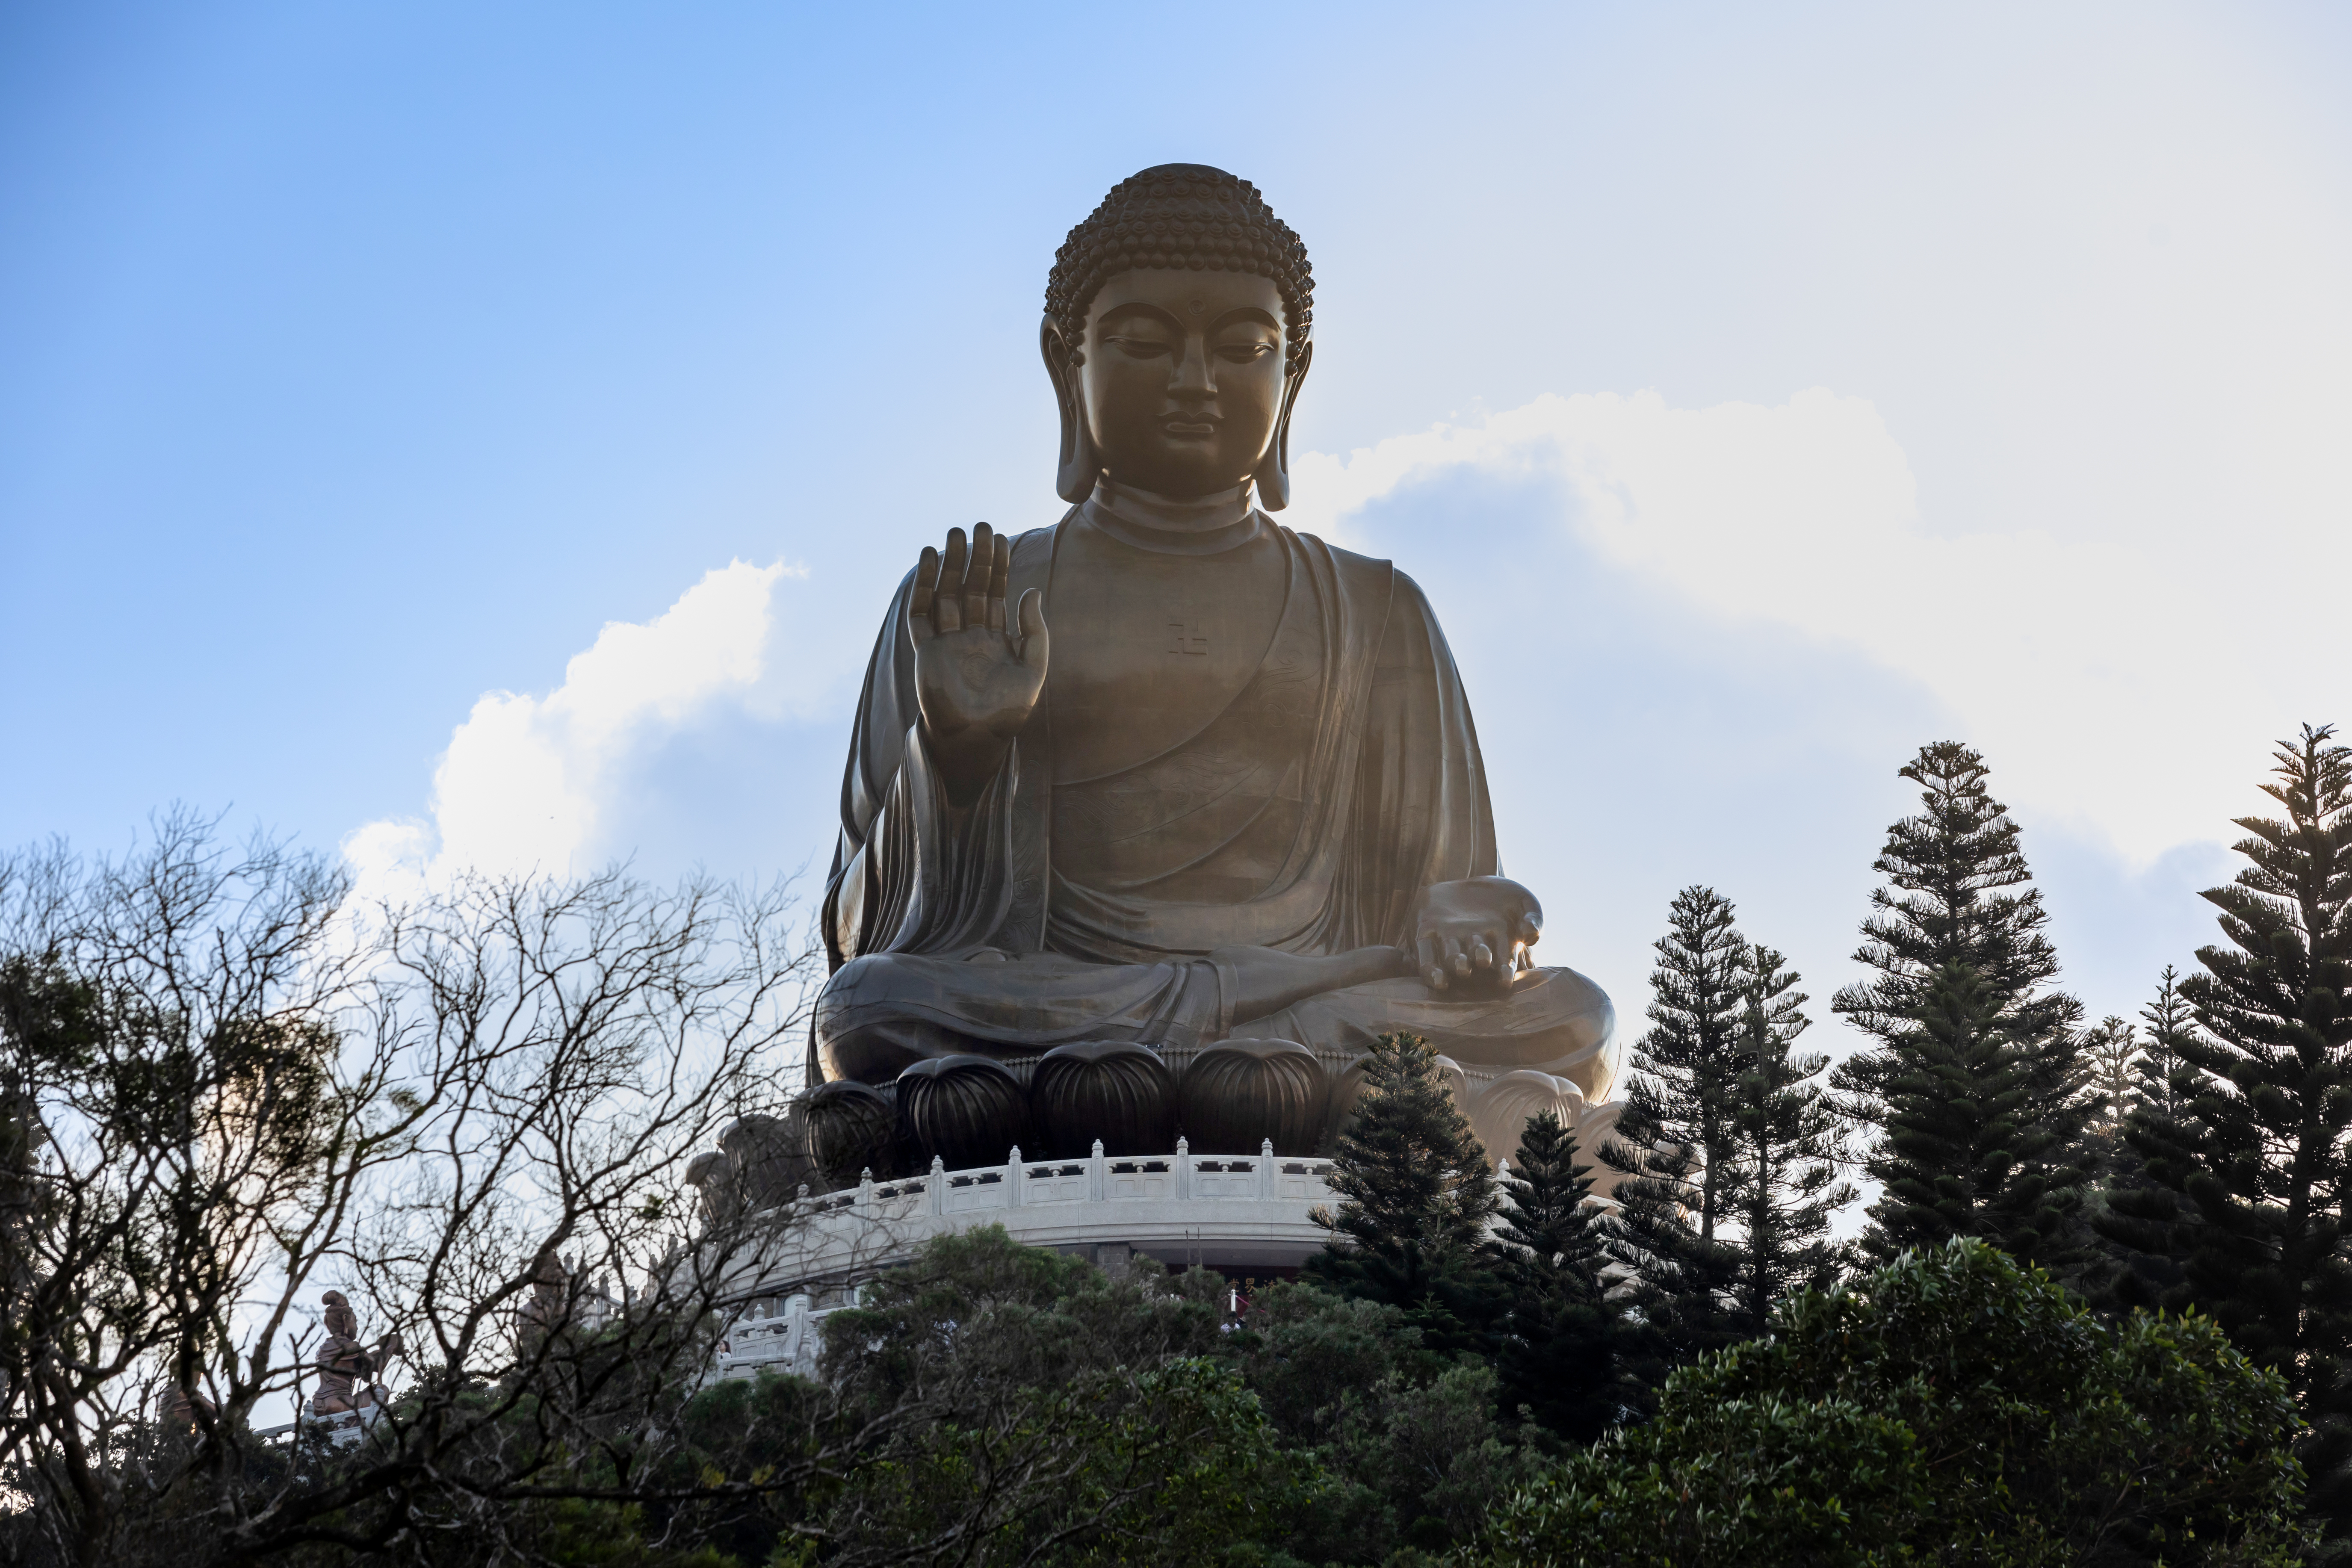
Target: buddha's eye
[
  {"x": 1141, "y": 348},
  {"x": 1242, "y": 353}
]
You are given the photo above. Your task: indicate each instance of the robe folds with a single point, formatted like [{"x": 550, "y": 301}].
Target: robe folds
[{"x": 1303, "y": 810}]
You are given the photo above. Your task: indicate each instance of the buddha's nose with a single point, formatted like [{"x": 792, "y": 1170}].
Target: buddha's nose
[{"x": 1195, "y": 374}]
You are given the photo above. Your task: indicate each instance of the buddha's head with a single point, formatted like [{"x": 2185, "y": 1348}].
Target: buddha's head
[{"x": 1176, "y": 334}]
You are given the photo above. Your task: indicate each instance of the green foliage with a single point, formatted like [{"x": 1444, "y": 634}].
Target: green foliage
[
  {"x": 1976, "y": 1142},
  {"x": 1005, "y": 1405},
  {"x": 1728, "y": 1148},
  {"x": 2246, "y": 1153},
  {"x": 1947, "y": 900},
  {"x": 1564, "y": 1350},
  {"x": 1416, "y": 1193},
  {"x": 1072, "y": 1416},
  {"x": 1725, "y": 1484},
  {"x": 2169, "y": 1024},
  {"x": 1550, "y": 1232},
  {"x": 1674, "y": 1141},
  {"x": 1298, "y": 1347},
  {"x": 1417, "y": 1464},
  {"x": 1954, "y": 1407},
  {"x": 1407, "y": 1449},
  {"x": 1140, "y": 1467},
  {"x": 1787, "y": 1144},
  {"x": 1976, "y": 1079},
  {"x": 1688, "y": 1064},
  {"x": 1407, "y": 1166},
  {"x": 2111, "y": 1074}
]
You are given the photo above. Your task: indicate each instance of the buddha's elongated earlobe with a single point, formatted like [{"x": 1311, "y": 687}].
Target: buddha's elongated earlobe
[
  {"x": 1080, "y": 462},
  {"x": 1272, "y": 475}
]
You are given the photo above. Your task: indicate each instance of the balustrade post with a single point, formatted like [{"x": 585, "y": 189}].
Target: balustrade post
[
  {"x": 866, "y": 1189},
  {"x": 1095, "y": 1183},
  {"x": 1183, "y": 1170},
  {"x": 1013, "y": 1179},
  {"x": 1266, "y": 1169},
  {"x": 936, "y": 1189}
]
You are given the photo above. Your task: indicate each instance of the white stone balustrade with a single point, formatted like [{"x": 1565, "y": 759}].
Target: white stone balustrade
[
  {"x": 785, "y": 1341},
  {"x": 1237, "y": 1212}
]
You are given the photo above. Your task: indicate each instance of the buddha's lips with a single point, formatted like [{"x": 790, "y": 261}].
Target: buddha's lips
[{"x": 1190, "y": 427}]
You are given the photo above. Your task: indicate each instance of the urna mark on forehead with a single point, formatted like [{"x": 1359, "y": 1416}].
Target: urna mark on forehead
[{"x": 1181, "y": 217}]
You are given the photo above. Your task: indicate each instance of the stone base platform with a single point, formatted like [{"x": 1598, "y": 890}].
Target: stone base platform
[{"x": 1242, "y": 1214}]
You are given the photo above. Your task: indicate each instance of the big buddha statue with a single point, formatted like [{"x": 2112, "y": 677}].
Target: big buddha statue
[{"x": 1166, "y": 774}]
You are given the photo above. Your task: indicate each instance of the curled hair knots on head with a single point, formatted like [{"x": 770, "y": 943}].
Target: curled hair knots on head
[{"x": 1181, "y": 215}]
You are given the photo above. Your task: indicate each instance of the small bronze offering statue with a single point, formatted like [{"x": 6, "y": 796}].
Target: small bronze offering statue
[{"x": 1166, "y": 772}]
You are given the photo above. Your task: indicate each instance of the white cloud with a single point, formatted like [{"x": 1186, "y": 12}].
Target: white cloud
[
  {"x": 2073, "y": 664},
  {"x": 524, "y": 784}
]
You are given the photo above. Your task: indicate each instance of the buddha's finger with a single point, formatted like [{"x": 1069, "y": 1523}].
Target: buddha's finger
[
  {"x": 997, "y": 581},
  {"x": 918, "y": 603},
  {"x": 947, "y": 608},
  {"x": 1461, "y": 957},
  {"x": 1032, "y": 619},
  {"x": 975, "y": 577},
  {"x": 1481, "y": 955}
]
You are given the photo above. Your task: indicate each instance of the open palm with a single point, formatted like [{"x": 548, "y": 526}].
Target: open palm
[{"x": 977, "y": 671}]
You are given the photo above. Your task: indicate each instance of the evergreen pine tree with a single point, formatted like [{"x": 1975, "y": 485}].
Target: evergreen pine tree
[
  {"x": 1948, "y": 900},
  {"x": 1565, "y": 1348},
  {"x": 1788, "y": 1143},
  {"x": 2169, "y": 1023},
  {"x": 2250, "y": 1168},
  {"x": 1957, "y": 937},
  {"x": 2112, "y": 1079},
  {"x": 1975, "y": 1143},
  {"x": 1678, "y": 1282},
  {"x": 1417, "y": 1193},
  {"x": 1693, "y": 1053},
  {"x": 2162, "y": 1085},
  {"x": 2114, "y": 1073},
  {"x": 1674, "y": 1139}
]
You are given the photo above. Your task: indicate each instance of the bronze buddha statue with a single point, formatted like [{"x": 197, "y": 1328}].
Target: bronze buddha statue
[{"x": 1165, "y": 772}]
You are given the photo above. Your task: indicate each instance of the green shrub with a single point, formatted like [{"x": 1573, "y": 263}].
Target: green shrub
[{"x": 1954, "y": 1407}]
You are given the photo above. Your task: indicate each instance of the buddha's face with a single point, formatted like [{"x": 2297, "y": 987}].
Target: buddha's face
[{"x": 1183, "y": 378}]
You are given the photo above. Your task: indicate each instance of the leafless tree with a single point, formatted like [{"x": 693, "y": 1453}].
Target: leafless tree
[{"x": 225, "y": 1085}]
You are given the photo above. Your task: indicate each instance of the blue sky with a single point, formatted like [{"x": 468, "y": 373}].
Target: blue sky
[{"x": 489, "y": 434}]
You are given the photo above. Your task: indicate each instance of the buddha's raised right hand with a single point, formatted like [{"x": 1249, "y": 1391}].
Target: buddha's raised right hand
[{"x": 977, "y": 671}]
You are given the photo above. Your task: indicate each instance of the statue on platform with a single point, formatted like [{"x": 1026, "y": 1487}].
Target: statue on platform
[
  {"x": 1166, "y": 774},
  {"x": 346, "y": 1368}
]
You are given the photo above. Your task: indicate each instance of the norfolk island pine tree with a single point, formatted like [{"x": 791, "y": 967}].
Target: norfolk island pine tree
[
  {"x": 1416, "y": 1192},
  {"x": 1674, "y": 1141},
  {"x": 1734, "y": 1117},
  {"x": 1957, "y": 898},
  {"x": 1789, "y": 1145},
  {"x": 1565, "y": 1352},
  {"x": 2245, "y": 1147}
]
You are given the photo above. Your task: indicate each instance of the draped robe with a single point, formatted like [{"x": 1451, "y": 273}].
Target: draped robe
[{"x": 1301, "y": 804}]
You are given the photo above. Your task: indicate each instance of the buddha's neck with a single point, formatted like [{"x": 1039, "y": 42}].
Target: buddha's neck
[
  {"x": 1204, "y": 525},
  {"x": 1165, "y": 514}
]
